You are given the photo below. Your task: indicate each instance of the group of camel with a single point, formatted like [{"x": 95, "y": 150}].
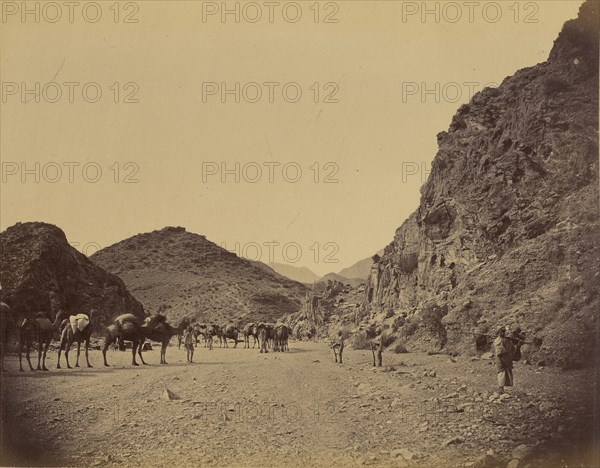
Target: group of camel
[
  {"x": 125, "y": 328},
  {"x": 75, "y": 329},
  {"x": 266, "y": 335},
  {"x": 129, "y": 328}
]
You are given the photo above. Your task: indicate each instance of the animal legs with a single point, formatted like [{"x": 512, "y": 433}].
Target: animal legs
[
  {"x": 67, "y": 349},
  {"x": 87, "y": 348},
  {"x": 27, "y": 355},
  {"x": 163, "y": 353},
  {"x": 78, "y": 353},
  {"x": 47, "y": 345},
  {"x": 134, "y": 348},
  {"x": 40, "y": 346}
]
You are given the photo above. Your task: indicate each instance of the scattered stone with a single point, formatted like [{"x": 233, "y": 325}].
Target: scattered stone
[
  {"x": 396, "y": 402},
  {"x": 486, "y": 461},
  {"x": 487, "y": 356},
  {"x": 514, "y": 464},
  {"x": 168, "y": 395},
  {"x": 453, "y": 440},
  {"x": 522, "y": 452}
]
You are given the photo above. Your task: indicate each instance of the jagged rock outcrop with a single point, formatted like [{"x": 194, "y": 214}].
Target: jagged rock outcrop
[
  {"x": 506, "y": 232},
  {"x": 323, "y": 308},
  {"x": 40, "y": 271}
]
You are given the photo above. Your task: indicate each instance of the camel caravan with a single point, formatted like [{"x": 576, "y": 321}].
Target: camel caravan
[{"x": 126, "y": 328}]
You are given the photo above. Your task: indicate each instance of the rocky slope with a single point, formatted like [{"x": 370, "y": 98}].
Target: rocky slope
[
  {"x": 40, "y": 271},
  {"x": 507, "y": 230},
  {"x": 183, "y": 274}
]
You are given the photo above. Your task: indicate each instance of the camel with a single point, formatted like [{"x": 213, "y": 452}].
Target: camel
[
  {"x": 265, "y": 335},
  {"x": 217, "y": 332},
  {"x": 163, "y": 334},
  {"x": 81, "y": 334},
  {"x": 230, "y": 332},
  {"x": 128, "y": 327},
  {"x": 249, "y": 331},
  {"x": 6, "y": 322},
  {"x": 42, "y": 330},
  {"x": 280, "y": 337}
]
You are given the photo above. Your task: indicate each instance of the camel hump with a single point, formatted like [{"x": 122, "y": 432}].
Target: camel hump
[{"x": 79, "y": 322}]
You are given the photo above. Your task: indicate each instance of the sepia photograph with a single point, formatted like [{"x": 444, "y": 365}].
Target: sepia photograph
[{"x": 303, "y": 233}]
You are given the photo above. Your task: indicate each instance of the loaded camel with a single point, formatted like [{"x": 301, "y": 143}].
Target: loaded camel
[
  {"x": 128, "y": 327},
  {"x": 39, "y": 329},
  {"x": 215, "y": 331},
  {"x": 280, "y": 337},
  {"x": 249, "y": 331},
  {"x": 265, "y": 335},
  {"x": 163, "y": 333},
  {"x": 78, "y": 329},
  {"x": 231, "y": 332}
]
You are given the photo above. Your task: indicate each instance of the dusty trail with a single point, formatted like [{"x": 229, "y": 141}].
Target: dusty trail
[{"x": 239, "y": 407}]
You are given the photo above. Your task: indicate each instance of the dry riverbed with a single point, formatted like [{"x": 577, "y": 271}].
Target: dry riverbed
[{"x": 237, "y": 407}]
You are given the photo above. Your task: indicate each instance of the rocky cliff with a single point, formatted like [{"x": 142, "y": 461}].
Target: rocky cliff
[
  {"x": 40, "y": 271},
  {"x": 507, "y": 230}
]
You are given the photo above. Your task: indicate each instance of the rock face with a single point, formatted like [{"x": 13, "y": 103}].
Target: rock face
[
  {"x": 506, "y": 232},
  {"x": 180, "y": 273},
  {"x": 40, "y": 271}
]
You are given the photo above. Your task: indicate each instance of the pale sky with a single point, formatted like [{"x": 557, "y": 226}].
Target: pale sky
[{"x": 170, "y": 138}]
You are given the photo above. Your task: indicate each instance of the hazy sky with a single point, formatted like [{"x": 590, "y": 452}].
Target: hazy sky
[{"x": 172, "y": 143}]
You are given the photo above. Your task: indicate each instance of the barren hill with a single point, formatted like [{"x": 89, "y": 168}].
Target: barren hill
[
  {"x": 40, "y": 271},
  {"x": 181, "y": 273}
]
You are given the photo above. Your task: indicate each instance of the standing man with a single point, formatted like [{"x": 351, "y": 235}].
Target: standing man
[
  {"x": 188, "y": 339},
  {"x": 504, "y": 350}
]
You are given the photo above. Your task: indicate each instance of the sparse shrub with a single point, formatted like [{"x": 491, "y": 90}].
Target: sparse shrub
[
  {"x": 482, "y": 343},
  {"x": 408, "y": 262},
  {"x": 431, "y": 320},
  {"x": 410, "y": 327}
]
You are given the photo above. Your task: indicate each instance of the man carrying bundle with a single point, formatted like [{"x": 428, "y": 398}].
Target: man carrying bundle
[{"x": 505, "y": 350}]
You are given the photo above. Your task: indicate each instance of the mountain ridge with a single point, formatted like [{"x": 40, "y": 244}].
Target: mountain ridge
[{"x": 179, "y": 273}]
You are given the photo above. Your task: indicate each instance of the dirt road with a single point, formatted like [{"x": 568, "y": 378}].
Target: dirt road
[{"x": 238, "y": 407}]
